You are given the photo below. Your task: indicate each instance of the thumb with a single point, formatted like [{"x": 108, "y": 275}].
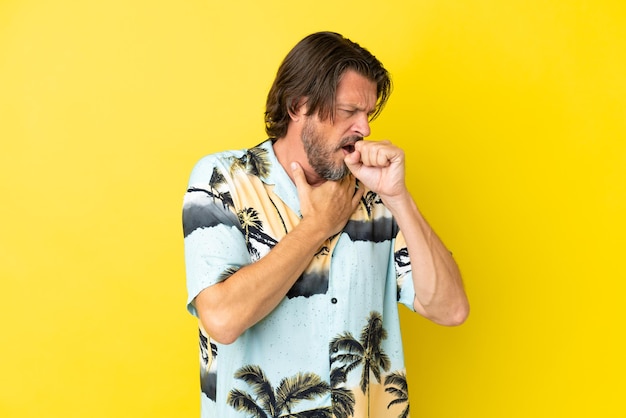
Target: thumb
[
  {"x": 298, "y": 175},
  {"x": 353, "y": 161}
]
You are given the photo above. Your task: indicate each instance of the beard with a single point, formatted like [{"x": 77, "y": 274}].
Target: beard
[{"x": 322, "y": 157}]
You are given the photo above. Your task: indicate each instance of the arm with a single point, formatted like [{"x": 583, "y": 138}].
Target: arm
[
  {"x": 222, "y": 310},
  {"x": 439, "y": 292}
]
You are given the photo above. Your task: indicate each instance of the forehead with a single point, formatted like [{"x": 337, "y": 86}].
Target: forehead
[{"x": 357, "y": 91}]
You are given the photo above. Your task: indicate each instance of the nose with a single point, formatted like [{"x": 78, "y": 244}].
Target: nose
[{"x": 362, "y": 125}]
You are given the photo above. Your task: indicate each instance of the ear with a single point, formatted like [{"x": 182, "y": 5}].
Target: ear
[{"x": 297, "y": 108}]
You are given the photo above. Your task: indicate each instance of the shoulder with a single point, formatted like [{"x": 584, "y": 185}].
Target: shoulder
[
  {"x": 204, "y": 168},
  {"x": 225, "y": 161}
]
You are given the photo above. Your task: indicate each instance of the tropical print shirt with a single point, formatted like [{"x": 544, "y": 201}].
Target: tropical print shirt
[{"x": 332, "y": 347}]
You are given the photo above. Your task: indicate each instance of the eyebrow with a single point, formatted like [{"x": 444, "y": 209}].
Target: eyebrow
[{"x": 356, "y": 107}]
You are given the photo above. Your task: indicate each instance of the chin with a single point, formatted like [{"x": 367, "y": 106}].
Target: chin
[{"x": 336, "y": 175}]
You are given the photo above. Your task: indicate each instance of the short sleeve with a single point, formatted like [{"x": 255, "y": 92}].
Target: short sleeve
[
  {"x": 214, "y": 242},
  {"x": 404, "y": 275}
]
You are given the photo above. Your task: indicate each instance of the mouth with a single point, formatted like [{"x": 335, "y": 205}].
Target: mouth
[{"x": 348, "y": 145}]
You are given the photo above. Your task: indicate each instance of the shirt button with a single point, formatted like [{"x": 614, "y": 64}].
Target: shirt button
[{"x": 333, "y": 300}]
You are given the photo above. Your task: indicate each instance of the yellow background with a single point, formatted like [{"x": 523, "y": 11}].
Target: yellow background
[{"x": 513, "y": 115}]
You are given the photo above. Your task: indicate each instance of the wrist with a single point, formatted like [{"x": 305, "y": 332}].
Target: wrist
[
  {"x": 312, "y": 231},
  {"x": 398, "y": 202}
]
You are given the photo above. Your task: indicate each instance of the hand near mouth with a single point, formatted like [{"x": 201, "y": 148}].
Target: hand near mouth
[
  {"x": 379, "y": 165},
  {"x": 348, "y": 144}
]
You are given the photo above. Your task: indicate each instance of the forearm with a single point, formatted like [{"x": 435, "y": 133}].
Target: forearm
[
  {"x": 228, "y": 308},
  {"x": 439, "y": 291}
]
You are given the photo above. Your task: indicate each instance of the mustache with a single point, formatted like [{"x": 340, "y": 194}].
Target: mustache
[{"x": 349, "y": 140}]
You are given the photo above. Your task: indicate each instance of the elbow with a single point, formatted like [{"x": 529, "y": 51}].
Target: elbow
[
  {"x": 448, "y": 314},
  {"x": 218, "y": 318},
  {"x": 222, "y": 325},
  {"x": 225, "y": 339},
  {"x": 219, "y": 328},
  {"x": 457, "y": 315}
]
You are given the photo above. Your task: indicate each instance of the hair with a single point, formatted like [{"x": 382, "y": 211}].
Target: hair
[{"x": 311, "y": 71}]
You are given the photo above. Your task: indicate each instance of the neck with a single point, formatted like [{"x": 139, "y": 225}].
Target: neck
[{"x": 289, "y": 149}]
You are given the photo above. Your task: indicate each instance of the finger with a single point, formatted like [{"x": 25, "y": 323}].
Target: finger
[
  {"x": 298, "y": 176},
  {"x": 378, "y": 154},
  {"x": 353, "y": 187},
  {"x": 353, "y": 162},
  {"x": 383, "y": 156},
  {"x": 366, "y": 144},
  {"x": 349, "y": 181},
  {"x": 365, "y": 149},
  {"x": 358, "y": 194}
]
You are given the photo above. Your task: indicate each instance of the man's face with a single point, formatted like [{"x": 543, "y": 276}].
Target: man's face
[{"x": 327, "y": 142}]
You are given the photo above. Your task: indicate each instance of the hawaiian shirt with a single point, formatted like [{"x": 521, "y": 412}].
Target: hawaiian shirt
[{"x": 332, "y": 347}]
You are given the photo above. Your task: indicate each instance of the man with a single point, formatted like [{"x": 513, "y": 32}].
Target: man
[{"x": 299, "y": 249}]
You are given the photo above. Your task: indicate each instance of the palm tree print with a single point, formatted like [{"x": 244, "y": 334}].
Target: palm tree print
[
  {"x": 369, "y": 199},
  {"x": 266, "y": 402},
  {"x": 343, "y": 398},
  {"x": 215, "y": 184},
  {"x": 366, "y": 352},
  {"x": 253, "y": 229},
  {"x": 253, "y": 162},
  {"x": 249, "y": 219},
  {"x": 208, "y": 378},
  {"x": 227, "y": 273},
  {"x": 217, "y": 179},
  {"x": 224, "y": 197},
  {"x": 207, "y": 356},
  {"x": 258, "y": 163},
  {"x": 238, "y": 163},
  {"x": 397, "y": 386}
]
